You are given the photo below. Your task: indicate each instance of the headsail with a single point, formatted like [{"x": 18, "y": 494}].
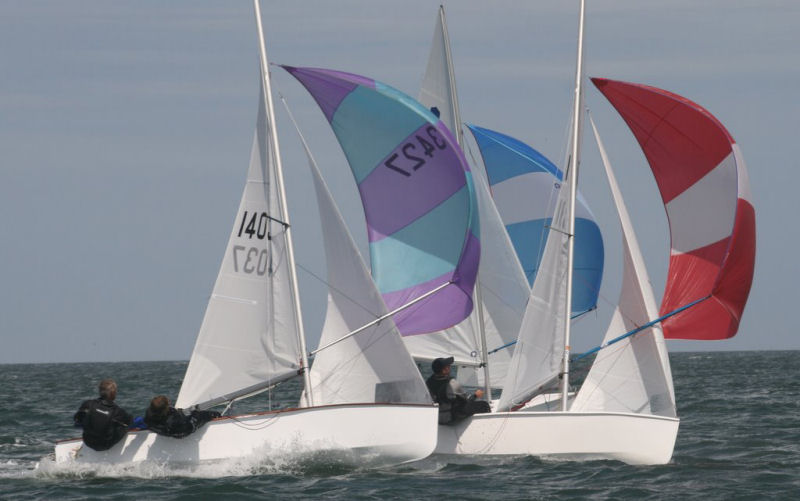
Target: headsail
[
  {"x": 521, "y": 179},
  {"x": 632, "y": 375},
  {"x": 417, "y": 193},
  {"x": 704, "y": 186},
  {"x": 373, "y": 365},
  {"x": 249, "y": 334}
]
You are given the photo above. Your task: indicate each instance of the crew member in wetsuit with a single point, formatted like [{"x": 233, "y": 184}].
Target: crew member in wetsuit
[
  {"x": 104, "y": 423},
  {"x": 166, "y": 420},
  {"x": 454, "y": 403}
]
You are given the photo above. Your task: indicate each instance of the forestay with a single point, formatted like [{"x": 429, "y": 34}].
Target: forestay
[
  {"x": 632, "y": 375},
  {"x": 417, "y": 194},
  {"x": 248, "y": 338},
  {"x": 521, "y": 180},
  {"x": 704, "y": 186},
  {"x": 373, "y": 365}
]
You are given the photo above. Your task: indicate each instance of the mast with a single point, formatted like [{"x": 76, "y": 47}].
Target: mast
[
  {"x": 572, "y": 173},
  {"x": 273, "y": 138},
  {"x": 478, "y": 305},
  {"x": 451, "y": 78}
]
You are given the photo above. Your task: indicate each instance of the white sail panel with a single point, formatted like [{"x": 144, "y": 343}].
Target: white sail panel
[
  {"x": 504, "y": 289},
  {"x": 540, "y": 344},
  {"x": 248, "y": 338},
  {"x": 373, "y": 365},
  {"x": 438, "y": 89},
  {"x": 632, "y": 375}
]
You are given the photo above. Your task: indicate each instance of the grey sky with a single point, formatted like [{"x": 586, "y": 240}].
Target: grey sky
[{"x": 125, "y": 133}]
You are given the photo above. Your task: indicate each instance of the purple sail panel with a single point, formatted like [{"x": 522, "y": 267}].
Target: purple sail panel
[
  {"x": 419, "y": 202},
  {"x": 448, "y": 303},
  {"x": 390, "y": 209},
  {"x": 327, "y": 86}
]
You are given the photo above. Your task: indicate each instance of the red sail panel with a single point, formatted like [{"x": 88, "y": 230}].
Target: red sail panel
[{"x": 704, "y": 187}]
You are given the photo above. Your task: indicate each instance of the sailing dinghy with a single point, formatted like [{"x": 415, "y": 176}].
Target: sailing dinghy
[
  {"x": 625, "y": 409},
  {"x": 364, "y": 398}
]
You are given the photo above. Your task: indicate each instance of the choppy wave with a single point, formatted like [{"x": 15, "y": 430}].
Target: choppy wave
[{"x": 739, "y": 439}]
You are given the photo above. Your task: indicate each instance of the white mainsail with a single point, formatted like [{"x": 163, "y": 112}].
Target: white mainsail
[
  {"x": 540, "y": 344},
  {"x": 632, "y": 375},
  {"x": 373, "y": 365},
  {"x": 501, "y": 280},
  {"x": 248, "y": 338},
  {"x": 438, "y": 85}
]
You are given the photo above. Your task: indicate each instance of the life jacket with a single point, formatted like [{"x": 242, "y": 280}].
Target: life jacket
[{"x": 102, "y": 427}]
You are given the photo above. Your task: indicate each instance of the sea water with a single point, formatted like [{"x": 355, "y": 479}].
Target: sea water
[{"x": 739, "y": 438}]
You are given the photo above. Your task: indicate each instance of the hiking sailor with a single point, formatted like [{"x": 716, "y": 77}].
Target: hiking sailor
[{"x": 166, "y": 420}]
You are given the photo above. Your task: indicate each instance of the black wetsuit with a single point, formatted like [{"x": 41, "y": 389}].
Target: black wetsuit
[
  {"x": 454, "y": 404},
  {"x": 176, "y": 424},
  {"x": 104, "y": 423}
]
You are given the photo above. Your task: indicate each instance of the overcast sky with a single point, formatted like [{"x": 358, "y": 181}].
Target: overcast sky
[{"x": 125, "y": 132}]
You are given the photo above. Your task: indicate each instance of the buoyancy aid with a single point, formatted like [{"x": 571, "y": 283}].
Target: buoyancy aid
[
  {"x": 104, "y": 423},
  {"x": 437, "y": 386}
]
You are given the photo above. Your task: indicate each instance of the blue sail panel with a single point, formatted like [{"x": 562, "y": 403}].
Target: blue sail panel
[{"x": 523, "y": 182}]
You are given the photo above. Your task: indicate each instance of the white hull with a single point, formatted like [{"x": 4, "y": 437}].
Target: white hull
[
  {"x": 375, "y": 434},
  {"x": 631, "y": 438}
]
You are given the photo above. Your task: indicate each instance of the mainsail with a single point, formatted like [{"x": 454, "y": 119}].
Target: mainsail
[
  {"x": 249, "y": 334},
  {"x": 417, "y": 194},
  {"x": 540, "y": 345},
  {"x": 631, "y": 375},
  {"x": 521, "y": 180},
  {"x": 502, "y": 289},
  {"x": 373, "y": 365},
  {"x": 704, "y": 186},
  {"x": 438, "y": 90}
]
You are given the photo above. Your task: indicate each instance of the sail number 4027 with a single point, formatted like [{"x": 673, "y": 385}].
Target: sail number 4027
[{"x": 412, "y": 162}]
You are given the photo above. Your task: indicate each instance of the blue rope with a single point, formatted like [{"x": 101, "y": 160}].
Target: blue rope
[
  {"x": 638, "y": 329},
  {"x": 512, "y": 343}
]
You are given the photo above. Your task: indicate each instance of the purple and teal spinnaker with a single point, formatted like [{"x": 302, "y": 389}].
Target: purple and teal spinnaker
[
  {"x": 522, "y": 181},
  {"x": 417, "y": 192}
]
